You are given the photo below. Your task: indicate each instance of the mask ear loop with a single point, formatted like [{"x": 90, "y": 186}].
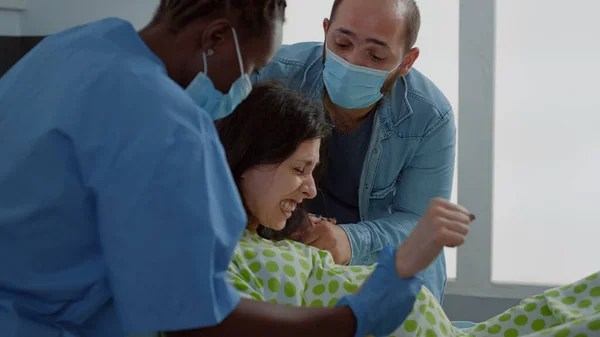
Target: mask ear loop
[
  {"x": 205, "y": 63},
  {"x": 399, "y": 64},
  {"x": 237, "y": 49}
]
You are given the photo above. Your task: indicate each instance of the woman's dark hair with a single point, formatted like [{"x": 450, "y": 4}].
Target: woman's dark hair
[
  {"x": 254, "y": 15},
  {"x": 267, "y": 128}
]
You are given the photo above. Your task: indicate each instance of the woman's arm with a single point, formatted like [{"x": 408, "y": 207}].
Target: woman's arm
[
  {"x": 380, "y": 307},
  {"x": 261, "y": 319},
  {"x": 254, "y": 316}
]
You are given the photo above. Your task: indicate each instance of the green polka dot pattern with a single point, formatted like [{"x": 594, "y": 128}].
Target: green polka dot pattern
[
  {"x": 289, "y": 270},
  {"x": 294, "y": 274},
  {"x": 334, "y": 286},
  {"x": 410, "y": 325},
  {"x": 568, "y": 311},
  {"x": 318, "y": 289}
]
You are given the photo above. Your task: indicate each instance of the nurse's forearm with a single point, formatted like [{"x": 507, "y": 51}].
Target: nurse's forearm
[{"x": 263, "y": 319}]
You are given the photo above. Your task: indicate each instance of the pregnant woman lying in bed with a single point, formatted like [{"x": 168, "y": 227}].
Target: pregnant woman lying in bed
[{"x": 272, "y": 142}]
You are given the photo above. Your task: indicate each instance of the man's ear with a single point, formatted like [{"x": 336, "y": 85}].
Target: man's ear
[
  {"x": 409, "y": 60},
  {"x": 326, "y": 23}
]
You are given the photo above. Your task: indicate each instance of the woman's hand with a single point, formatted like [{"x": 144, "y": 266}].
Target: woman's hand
[
  {"x": 325, "y": 234},
  {"x": 385, "y": 300},
  {"x": 444, "y": 225}
]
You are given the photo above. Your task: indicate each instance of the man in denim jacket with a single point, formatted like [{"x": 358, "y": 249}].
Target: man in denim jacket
[{"x": 393, "y": 145}]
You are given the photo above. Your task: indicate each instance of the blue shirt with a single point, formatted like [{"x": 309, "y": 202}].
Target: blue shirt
[
  {"x": 338, "y": 190},
  {"x": 410, "y": 158},
  {"x": 112, "y": 183}
]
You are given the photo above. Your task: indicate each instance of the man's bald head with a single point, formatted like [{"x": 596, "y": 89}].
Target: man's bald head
[{"x": 408, "y": 11}]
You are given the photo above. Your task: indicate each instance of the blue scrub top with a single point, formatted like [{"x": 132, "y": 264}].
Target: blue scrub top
[{"x": 112, "y": 192}]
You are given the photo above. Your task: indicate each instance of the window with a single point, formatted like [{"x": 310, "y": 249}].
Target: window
[{"x": 547, "y": 146}]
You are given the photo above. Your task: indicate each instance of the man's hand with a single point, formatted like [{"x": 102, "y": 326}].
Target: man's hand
[
  {"x": 444, "y": 225},
  {"x": 326, "y": 235}
]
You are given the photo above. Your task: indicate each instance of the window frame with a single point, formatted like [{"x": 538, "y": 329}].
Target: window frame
[{"x": 477, "y": 53}]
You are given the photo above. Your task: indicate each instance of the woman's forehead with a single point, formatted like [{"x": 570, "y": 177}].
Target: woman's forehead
[{"x": 308, "y": 151}]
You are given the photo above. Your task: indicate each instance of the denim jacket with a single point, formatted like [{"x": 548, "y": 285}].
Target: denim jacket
[{"x": 410, "y": 159}]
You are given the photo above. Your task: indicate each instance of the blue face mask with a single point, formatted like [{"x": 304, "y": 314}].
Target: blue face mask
[
  {"x": 207, "y": 97},
  {"x": 350, "y": 86}
]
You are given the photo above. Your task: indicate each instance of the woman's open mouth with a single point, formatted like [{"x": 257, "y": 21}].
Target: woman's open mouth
[{"x": 287, "y": 207}]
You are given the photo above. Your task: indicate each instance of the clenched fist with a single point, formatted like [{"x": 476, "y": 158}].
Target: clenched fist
[{"x": 444, "y": 224}]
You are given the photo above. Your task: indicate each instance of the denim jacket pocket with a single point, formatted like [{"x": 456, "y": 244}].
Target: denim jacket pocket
[
  {"x": 383, "y": 193},
  {"x": 381, "y": 201}
]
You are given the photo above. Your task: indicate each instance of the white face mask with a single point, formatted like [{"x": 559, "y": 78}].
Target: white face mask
[{"x": 214, "y": 102}]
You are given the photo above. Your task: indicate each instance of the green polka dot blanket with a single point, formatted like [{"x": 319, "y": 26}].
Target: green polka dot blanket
[{"x": 295, "y": 274}]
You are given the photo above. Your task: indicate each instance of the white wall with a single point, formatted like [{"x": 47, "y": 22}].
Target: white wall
[
  {"x": 10, "y": 24},
  {"x": 45, "y": 17},
  {"x": 10, "y": 17},
  {"x": 304, "y": 20}
]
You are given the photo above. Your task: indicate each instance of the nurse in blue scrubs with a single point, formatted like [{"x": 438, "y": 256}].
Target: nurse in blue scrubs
[{"x": 112, "y": 181}]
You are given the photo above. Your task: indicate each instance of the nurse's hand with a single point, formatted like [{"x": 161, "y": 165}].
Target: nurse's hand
[
  {"x": 325, "y": 234},
  {"x": 444, "y": 225},
  {"x": 385, "y": 300}
]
